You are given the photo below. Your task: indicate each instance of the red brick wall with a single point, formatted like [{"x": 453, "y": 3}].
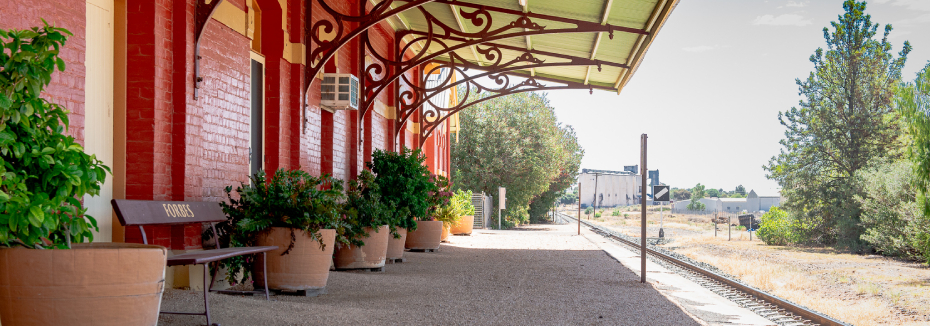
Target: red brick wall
[
  {"x": 148, "y": 100},
  {"x": 179, "y": 148},
  {"x": 67, "y": 87},
  {"x": 225, "y": 98}
]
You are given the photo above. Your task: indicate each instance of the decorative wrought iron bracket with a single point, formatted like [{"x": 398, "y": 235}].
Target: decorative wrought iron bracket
[
  {"x": 432, "y": 118},
  {"x": 372, "y": 86},
  {"x": 205, "y": 9},
  {"x": 320, "y": 51}
]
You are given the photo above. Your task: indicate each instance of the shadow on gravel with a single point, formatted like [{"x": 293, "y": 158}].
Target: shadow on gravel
[{"x": 458, "y": 286}]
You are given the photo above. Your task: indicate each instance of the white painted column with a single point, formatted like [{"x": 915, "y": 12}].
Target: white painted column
[{"x": 98, "y": 108}]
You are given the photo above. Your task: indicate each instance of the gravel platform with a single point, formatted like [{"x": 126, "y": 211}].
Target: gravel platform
[{"x": 539, "y": 275}]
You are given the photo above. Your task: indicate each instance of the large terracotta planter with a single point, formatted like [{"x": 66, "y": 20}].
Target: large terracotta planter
[
  {"x": 371, "y": 255},
  {"x": 464, "y": 225},
  {"x": 305, "y": 267},
  {"x": 427, "y": 236},
  {"x": 446, "y": 233},
  {"x": 395, "y": 249},
  {"x": 91, "y": 284}
]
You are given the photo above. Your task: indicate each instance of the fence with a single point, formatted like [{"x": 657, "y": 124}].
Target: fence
[{"x": 484, "y": 206}]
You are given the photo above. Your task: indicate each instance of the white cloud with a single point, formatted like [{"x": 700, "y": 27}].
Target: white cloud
[
  {"x": 781, "y": 20},
  {"x": 700, "y": 48},
  {"x": 796, "y": 4},
  {"x": 922, "y": 5}
]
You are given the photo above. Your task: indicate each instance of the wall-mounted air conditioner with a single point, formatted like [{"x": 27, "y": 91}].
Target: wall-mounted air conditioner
[{"x": 339, "y": 92}]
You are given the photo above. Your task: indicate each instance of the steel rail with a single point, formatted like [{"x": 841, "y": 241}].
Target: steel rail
[{"x": 788, "y": 306}]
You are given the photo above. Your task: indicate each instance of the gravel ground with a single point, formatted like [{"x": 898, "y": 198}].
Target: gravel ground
[{"x": 540, "y": 275}]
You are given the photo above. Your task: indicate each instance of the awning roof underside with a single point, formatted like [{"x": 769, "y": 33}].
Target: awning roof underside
[{"x": 624, "y": 49}]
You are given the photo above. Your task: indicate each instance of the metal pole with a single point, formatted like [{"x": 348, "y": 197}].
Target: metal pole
[
  {"x": 643, "y": 203},
  {"x": 729, "y": 228},
  {"x": 715, "y": 225},
  {"x": 579, "y": 206},
  {"x": 661, "y": 217},
  {"x": 594, "y": 203}
]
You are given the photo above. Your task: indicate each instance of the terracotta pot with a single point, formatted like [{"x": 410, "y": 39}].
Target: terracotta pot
[
  {"x": 91, "y": 284},
  {"x": 395, "y": 249},
  {"x": 371, "y": 255},
  {"x": 427, "y": 236},
  {"x": 464, "y": 225},
  {"x": 305, "y": 267},
  {"x": 445, "y": 233}
]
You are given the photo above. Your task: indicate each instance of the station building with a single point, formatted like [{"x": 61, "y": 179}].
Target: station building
[{"x": 182, "y": 98}]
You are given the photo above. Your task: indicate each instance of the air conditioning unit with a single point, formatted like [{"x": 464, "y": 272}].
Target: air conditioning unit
[{"x": 339, "y": 92}]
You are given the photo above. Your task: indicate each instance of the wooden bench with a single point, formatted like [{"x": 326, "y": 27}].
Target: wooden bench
[{"x": 145, "y": 212}]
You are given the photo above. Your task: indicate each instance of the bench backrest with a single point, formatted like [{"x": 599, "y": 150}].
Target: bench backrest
[{"x": 146, "y": 212}]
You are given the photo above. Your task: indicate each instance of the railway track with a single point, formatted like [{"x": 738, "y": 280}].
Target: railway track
[{"x": 773, "y": 308}]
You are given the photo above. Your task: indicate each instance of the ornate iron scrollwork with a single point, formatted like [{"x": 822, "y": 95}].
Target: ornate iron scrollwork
[
  {"x": 434, "y": 114},
  {"x": 384, "y": 70},
  {"x": 320, "y": 50},
  {"x": 205, "y": 9}
]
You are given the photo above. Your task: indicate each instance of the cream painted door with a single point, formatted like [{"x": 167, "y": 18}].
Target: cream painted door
[{"x": 98, "y": 108}]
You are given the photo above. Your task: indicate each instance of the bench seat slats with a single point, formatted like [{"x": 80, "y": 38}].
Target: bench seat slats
[{"x": 212, "y": 255}]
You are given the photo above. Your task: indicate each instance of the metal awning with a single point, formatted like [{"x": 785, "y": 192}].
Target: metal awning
[
  {"x": 623, "y": 48},
  {"x": 592, "y": 44}
]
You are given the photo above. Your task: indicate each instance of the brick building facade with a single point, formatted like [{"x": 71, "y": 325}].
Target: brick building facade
[{"x": 163, "y": 143}]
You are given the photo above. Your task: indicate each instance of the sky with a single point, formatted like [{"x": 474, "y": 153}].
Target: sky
[{"x": 709, "y": 90}]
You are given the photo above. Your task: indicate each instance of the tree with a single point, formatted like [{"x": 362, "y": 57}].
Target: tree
[
  {"x": 697, "y": 193},
  {"x": 913, "y": 101},
  {"x": 569, "y": 162},
  {"x": 891, "y": 214},
  {"x": 845, "y": 120},
  {"x": 681, "y": 194},
  {"x": 740, "y": 190},
  {"x": 712, "y": 193},
  {"x": 516, "y": 142}
]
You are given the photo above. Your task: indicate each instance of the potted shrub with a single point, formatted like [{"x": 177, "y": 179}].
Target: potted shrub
[
  {"x": 430, "y": 230},
  {"x": 447, "y": 212},
  {"x": 464, "y": 225},
  {"x": 366, "y": 233},
  {"x": 50, "y": 273},
  {"x": 404, "y": 184},
  {"x": 293, "y": 210}
]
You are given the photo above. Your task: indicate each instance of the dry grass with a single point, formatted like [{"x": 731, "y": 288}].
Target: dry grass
[{"x": 802, "y": 288}]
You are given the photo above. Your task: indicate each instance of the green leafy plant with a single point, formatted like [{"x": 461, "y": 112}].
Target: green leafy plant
[
  {"x": 404, "y": 185},
  {"x": 697, "y": 193},
  {"x": 588, "y": 210},
  {"x": 438, "y": 197},
  {"x": 776, "y": 228},
  {"x": 363, "y": 208},
  {"x": 598, "y": 214},
  {"x": 291, "y": 199},
  {"x": 459, "y": 205},
  {"x": 463, "y": 199},
  {"x": 44, "y": 171},
  {"x": 615, "y": 213}
]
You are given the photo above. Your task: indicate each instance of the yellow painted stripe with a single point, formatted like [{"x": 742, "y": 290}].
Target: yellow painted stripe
[{"x": 231, "y": 16}]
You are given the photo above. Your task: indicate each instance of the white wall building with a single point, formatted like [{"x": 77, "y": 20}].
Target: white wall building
[
  {"x": 616, "y": 188},
  {"x": 752, "y": 203}
]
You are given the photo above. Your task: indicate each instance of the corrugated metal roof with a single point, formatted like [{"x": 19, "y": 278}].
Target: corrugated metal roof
[{"x": 624, "y": 48}]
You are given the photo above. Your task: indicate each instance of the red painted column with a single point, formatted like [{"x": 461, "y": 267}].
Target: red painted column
[{"x": 149, "y": 109}]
